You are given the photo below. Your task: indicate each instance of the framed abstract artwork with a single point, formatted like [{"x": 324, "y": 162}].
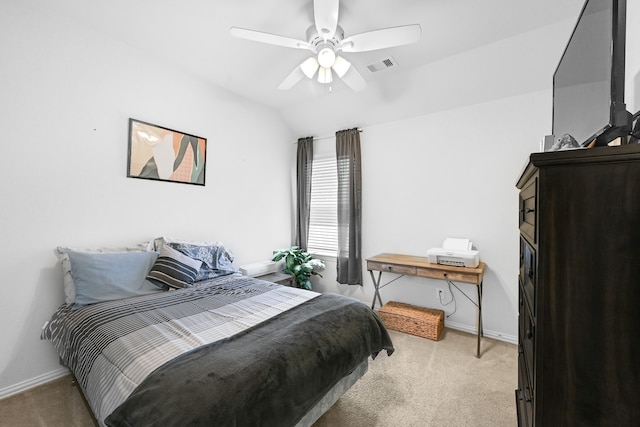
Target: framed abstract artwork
[{"x": 163, "y": 154}]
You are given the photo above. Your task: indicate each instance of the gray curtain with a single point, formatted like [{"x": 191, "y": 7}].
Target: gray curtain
[
  {"x": 303, "y": 190},
  {"x": 349, "y": 260}
]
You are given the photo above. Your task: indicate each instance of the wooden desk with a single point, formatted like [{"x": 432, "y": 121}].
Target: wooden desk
[{"x": 410, "y": 265}]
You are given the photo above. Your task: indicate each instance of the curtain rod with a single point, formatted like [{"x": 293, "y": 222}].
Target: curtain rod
[{"x": 320, "y": 138}]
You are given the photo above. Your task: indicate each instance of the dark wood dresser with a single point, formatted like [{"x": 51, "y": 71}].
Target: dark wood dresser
[{"x": 579, "y": 287}]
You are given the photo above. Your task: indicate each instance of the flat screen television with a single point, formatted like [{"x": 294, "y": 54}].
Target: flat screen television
[{"x": 588, "y": 84}]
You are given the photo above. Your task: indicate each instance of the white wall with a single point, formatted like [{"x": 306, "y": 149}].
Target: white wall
[
  {"x": 423, "y": 183},
  {"x": 66, "y": 96}
]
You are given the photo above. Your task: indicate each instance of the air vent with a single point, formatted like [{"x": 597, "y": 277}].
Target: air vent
[{"x": 382, "y": 65}]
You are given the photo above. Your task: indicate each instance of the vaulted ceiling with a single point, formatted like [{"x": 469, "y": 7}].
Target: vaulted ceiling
[{"x": 195, "y": 34}]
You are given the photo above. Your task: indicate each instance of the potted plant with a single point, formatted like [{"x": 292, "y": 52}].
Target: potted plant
[{"x": 300, "y": 264}]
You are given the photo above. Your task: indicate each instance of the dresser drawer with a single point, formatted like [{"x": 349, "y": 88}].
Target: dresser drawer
[
  {"x": 526, "y": 341},
  {"x": 527, "y": 209},
  {"x": 528, "y": 272},
  {"x": 391, "y": 268},
  {"x": 524, "y": 397}
]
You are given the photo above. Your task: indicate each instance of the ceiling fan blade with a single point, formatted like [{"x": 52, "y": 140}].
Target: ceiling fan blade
[
  {"x": 292, "y": 79},
  {"x": 381, "y": 39},
  {"x": 354, "y": 79},
  {"x": 325, "y": 13},
  {"x": 268, "y": 38}
]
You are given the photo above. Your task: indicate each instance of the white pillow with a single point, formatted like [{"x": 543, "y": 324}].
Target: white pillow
[
  {"x": 99, "y": 277},
  {"x": 67, "y": 277}
]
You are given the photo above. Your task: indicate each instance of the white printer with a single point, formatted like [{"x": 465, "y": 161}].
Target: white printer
[{"x": 456, "y": 252}]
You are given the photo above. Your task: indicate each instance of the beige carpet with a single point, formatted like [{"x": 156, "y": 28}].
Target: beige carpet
[
  {"x": 424, "y": 383},
  {"x": 427, "y": 383},
  {"x": 54, "y": 404}
]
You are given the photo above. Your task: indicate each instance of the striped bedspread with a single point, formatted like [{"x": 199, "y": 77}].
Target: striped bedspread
[{"x": 112, "y": 347}]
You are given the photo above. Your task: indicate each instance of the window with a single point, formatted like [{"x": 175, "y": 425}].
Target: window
[{"x": 323, "y": 223}]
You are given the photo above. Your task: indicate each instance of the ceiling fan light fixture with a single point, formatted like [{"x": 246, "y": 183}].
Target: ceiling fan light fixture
[
  {"x": 309, "y": 67},
  {"x": 325, "y": 75},
  {"x": 341, "y": 66},
  {"x": 324, "y": 38},
  {"x": 326, "y": 57}
]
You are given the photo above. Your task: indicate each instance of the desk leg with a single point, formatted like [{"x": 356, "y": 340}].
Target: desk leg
[
  {"x": 480, "y": 332},
  {"x": 376, "y": 285}
]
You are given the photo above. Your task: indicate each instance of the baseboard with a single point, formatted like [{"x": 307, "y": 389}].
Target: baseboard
[
  {"x": 33, "y": 382},
  {"x": 485, "y": 333}
]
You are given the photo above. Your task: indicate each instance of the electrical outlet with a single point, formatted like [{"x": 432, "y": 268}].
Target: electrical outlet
[{"x": 440, "y": 292}]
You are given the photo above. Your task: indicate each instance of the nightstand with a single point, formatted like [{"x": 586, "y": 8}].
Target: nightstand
[{"x": 278, "y": 277}]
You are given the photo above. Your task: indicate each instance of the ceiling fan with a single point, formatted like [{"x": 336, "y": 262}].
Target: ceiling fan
[{"x": 325, "y": 38}]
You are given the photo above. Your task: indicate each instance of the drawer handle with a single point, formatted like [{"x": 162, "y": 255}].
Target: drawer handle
[
  {"x": 531, "y": 274},
  {"x": 529, "y": 210},
  {"x": 529, "y": 334},
  {"x": 524, "y": 394}
]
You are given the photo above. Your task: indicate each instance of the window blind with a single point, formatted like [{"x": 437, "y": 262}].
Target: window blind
[{"x": 323, "y": 223}]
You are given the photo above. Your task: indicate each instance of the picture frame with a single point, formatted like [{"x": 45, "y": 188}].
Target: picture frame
[{"x": 162, "y": 154}]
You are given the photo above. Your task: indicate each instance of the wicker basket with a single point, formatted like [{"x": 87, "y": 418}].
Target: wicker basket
[{"x": 420, "y": 321}]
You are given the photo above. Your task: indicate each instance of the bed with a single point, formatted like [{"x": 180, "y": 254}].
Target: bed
[{"x": 225, "y": 350}]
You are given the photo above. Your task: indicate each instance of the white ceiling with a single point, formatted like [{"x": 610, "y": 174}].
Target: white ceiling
[{"x": 195, "y": 34}]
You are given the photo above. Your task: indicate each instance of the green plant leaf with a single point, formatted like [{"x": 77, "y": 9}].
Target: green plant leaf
[{"x": 300, "y": 264}]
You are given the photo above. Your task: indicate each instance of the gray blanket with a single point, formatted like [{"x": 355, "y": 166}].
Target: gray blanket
[{"x": 269, "y": 375}]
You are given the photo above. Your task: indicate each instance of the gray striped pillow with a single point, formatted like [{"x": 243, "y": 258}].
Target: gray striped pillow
[{"x": 173, "y": 269}]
